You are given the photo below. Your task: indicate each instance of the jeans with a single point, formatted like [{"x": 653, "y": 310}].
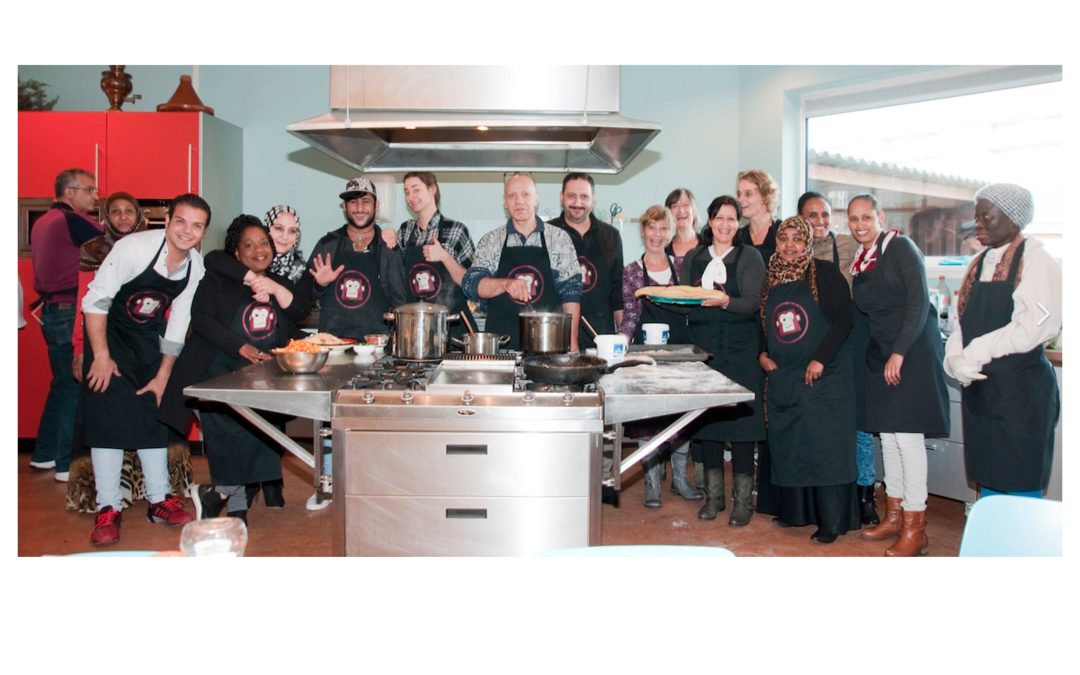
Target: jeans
[
  {"x": 57, "y": 424},
  {"x": 864, "y": 458},
  {"x": 904, "y": 457},
  {"x": 107, "y": 465}
]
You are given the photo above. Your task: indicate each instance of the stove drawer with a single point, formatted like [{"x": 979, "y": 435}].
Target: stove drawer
[
  {"x": 472, "y": 464},
  {"x": 476, "y": 526}
]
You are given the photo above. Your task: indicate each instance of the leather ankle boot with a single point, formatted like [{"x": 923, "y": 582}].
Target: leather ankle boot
[
  {"x": 912, "y": 541},
  {"x": 680, "y": 485},
  {"x": 867, "y": 512},
  {"x": 740, "y": 514},
  {"x": 699, "y": 475},
  {"x": 889, "y": 525},
  {"x": 714, "y": 490},
  {"x": 652, "y": 481}
]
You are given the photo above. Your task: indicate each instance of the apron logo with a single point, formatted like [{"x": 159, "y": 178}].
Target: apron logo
[
  {"x": 145, "y": 306},
  {"x": 588, "y": 274},
  {"x": 424, "y": 281},
  {"x": 532, "y": 277},
  {"x": 352, "y": 290},
  {"x": 790, "y": 322},
  {"x": 259, "y": 320}
]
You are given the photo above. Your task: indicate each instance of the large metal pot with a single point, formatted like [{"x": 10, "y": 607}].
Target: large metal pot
[
  {"x": 544, "y": 332},
  {"x": 420, "y": 332},
  {"x": 481, "y": 343}
]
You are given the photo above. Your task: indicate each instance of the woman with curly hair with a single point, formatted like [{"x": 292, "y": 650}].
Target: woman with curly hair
[
  {"x": 809, "y": 399},
  {"x": 759, "y": 197},
  {"x": 231, "y": 328}
]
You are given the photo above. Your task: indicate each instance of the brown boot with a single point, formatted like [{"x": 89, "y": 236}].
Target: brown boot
[
  {"x": 912, "y": 541},
  {"x": 889, "y": 525}
]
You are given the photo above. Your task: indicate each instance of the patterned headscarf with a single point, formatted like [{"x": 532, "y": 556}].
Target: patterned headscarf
[
  {"x": 782, "y": 271},
  {"x": 289, "y": 264},
  {"x": 93, "y": 251},
  {"x": 1014, "y": 201}
]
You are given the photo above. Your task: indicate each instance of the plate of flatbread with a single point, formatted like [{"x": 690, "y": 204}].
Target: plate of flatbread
[{"x": 677, "y": 295}]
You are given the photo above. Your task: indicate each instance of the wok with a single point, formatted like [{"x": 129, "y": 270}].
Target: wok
[{"x": 571, "y": 369}]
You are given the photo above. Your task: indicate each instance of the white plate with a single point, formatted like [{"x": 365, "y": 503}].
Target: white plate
[{"x": 337, "y": 349}]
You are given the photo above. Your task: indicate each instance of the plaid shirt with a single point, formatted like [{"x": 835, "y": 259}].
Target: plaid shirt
[{"x": 453, "y": 236}]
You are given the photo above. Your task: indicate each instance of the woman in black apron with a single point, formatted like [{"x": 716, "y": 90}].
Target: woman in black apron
[
  {"x": 905, "y": 392},
  {"x": 656, "y": 268},
  {"x": 532, "y": 264},
  {"x": 230, "y": 330},
  {"x": 437, "y": 251},
  {"x": 728, "y": 329},
  {"x": 809, "y": 398},
  {"x": 1010, "y": 402}
]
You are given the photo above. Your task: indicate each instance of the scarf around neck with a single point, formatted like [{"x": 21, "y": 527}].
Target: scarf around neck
[
  {"x": 1001, "y": 272},
  {"x": 93, "y": 251}
]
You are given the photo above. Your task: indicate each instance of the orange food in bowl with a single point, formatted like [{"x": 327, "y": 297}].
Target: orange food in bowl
[{"x": 298, "y": 346}]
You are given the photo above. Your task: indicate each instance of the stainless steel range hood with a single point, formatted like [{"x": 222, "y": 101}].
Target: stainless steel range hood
[{"x": 476, "y": 118}]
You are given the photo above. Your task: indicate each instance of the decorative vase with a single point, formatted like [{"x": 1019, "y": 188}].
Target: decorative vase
[
  {"x": 184, "y": 99},
  {"x": 117, "y": 85}
]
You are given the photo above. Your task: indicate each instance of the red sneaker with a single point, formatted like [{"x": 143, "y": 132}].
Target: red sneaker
[
  {"x": 169, "y": 512},
  {"x": 107, "y": 528}
]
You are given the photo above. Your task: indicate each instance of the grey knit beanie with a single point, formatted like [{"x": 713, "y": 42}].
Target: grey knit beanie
[{"x": 1014, "y": 201}]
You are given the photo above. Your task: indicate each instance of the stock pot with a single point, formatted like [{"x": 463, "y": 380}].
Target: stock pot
[
  {"x": 420, "y": 332},
  {"x": 544, "y": 332}
]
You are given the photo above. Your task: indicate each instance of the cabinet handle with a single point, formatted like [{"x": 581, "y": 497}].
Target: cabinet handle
[
  {"x": 189, "y": 167},
  {"x": 466, "y": 449},
  {"x": 466, "y": 513},
  {"x": 96, "y": 152}
]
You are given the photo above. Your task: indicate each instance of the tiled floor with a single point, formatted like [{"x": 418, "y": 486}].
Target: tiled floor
[{"x": 45, "y": 527}]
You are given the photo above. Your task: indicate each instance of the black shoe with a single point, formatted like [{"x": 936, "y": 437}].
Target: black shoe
[
  {"x": 251, "y": 492},
  {"x": 867, "y": 514},
  {"x": 781, "y": 523},
  {"x": 823, "y": 537},
  {"x": 608, "y": 495},
  {"x": 208, "y": 503},
  {"x": 272, "y": 496},
  {"x": 242, "y": 515}
]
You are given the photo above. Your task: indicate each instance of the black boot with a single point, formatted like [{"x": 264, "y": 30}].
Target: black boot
[
  {"x": 679, "y": 483},
  {"x": 867, "y": 514},
  {"x": 652, "y": 466},
  {"x": 740, "y": 515},
  {"x": 699, "y": 475},
  {"x": 714, "y": 494},
  {"x": 272, "y": 494},
  {"x": 608, "y": 495}
]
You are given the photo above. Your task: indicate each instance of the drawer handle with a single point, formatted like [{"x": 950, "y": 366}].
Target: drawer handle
[
  {"x": 466, "y": 513},
  {"x": 466, "y": 449}
]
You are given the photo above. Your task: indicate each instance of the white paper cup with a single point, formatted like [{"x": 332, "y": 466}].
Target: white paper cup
[
  {"x": 612, "y": 348},
  {"x": 656, "y": 333}
]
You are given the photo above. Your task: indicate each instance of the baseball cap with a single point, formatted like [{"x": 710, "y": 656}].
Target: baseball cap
[{"x": 356, "y": 187}]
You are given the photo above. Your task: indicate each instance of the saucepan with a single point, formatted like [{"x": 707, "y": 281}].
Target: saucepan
[
  {"x": 481, "y": 343},
  {"x": 572, "y": 369},
  {"x": 544, "y": 332}
]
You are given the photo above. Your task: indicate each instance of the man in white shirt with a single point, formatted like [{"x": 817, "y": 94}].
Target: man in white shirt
[{"x": 132, "y": 349}]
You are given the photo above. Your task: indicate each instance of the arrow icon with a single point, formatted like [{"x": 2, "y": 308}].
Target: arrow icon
[{"x": 1040, "y": 321}]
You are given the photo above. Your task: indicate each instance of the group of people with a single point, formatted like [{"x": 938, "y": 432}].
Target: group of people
[
  {"x": 827, "y": 373},
  {"x": 836, "y": 337}
]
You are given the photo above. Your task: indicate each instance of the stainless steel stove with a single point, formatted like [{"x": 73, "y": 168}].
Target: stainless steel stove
[{"x": 461, "y": 457}]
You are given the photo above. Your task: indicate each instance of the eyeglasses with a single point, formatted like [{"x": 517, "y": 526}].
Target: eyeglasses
[{"x": 91, "y": 190}]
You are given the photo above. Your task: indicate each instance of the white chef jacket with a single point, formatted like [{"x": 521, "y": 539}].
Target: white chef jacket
[
  {"x": 19, "y": 322},
  {"x": 1040, "y": 282},
  {"x": 127, "y": 260}
]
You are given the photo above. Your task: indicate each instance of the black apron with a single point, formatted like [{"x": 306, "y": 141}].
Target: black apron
[
  {"x": 733, "y": 341},
  {"x": 431, "y": 282},
  {"x": 652, "y": 312},
  {"x": 595, "y": 291},
  {"x": 354, "y": 304},
  {"x": 237, "y": 452},
  {"x": 116, "y": 417},
  {"x": 522, "y": 262},
  {"x": 811, "y": 429},
  {"x": 1009, "y": 417},
  {"x": 919, "y": 404}
]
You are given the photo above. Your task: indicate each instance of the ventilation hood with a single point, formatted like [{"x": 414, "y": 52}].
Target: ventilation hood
[{"x": 476, "y": 118}]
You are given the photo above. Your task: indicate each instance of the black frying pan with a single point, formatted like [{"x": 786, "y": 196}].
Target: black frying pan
[{"x": 570, "y": 369}]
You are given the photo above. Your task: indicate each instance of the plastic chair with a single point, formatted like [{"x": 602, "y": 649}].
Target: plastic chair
[
  {"x": 638, "y": 552},
  {"x": 1009, "y": 526}
]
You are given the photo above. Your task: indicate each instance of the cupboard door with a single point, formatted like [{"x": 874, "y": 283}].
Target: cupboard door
[
  {"x": 33, "y": 358},
  {"x": 50, "y": 142},
  {"x": 153, "y": 155}
]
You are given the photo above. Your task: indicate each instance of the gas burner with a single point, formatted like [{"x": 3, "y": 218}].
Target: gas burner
[{"x": 394, "y": 374}]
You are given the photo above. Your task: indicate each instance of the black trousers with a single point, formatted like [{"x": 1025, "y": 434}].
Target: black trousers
[{"x": 742, "y": 456}]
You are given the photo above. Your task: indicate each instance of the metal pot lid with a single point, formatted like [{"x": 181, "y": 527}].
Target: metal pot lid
[{"x": 421, "y": 308}]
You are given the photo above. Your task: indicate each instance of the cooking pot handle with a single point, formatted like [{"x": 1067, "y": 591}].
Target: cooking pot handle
[
  {"x": 504, "y": 339},
  {"x": 456, "y": 341},
  {"x": 389, "y": 316},
  {"x": 453, "y": 317}
]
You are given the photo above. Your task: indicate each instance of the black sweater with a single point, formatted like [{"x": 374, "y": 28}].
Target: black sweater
[{"x": 834, "y": 299}]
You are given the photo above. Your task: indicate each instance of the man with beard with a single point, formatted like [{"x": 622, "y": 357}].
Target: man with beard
[{"x": 599, "y": 252}]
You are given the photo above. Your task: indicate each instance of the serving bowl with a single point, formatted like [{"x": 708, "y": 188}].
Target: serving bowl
[
  {"x": 364, "y": 350},
  {"x": 300, "y": 362}
]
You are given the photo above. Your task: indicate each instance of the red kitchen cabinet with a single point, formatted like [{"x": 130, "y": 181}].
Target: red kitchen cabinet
[
  {"x": 153, "y": 154},
  {"x": 50, "y": 142}
]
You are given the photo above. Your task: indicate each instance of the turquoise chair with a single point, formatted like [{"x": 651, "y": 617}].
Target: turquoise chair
[
  {"x": 638, "y": 552},
  {"x": 1009, "y": 526}
]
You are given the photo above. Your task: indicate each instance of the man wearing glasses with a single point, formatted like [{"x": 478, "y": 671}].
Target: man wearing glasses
[{"x": 55, "y": 241}]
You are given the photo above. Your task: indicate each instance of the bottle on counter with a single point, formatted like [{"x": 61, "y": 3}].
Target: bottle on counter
[
  {"x": 954, "y": 317},
  {"x": 945, "y": 300}
]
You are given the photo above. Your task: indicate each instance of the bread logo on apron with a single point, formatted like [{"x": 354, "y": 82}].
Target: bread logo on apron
[
  {"x": 790, "y": 322},
  {"x": 146, "y": 305},
  {"x": 531, "y": 276},
  {"x": 424, "y": 281},
  {"x": 259, "y": 320},
  {"x": 588, "y": 274},
  {"x": 352, "y": 290}
]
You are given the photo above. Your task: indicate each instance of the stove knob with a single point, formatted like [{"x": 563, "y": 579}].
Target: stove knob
[
  {"x": 529, "y": 398},
  {"x": 467, "y": 397},
  {"x": 369, "y": 397},
  {"x": 568, "y": 399},
  {"x": 407, "y": 397}
]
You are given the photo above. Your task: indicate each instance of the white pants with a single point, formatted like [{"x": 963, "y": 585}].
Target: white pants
[
  {"x": 107, "y": 465},
  {"x": 904, "y": 457}
]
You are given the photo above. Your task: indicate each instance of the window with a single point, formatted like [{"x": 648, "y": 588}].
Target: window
[{"x": 925, "y": 160}]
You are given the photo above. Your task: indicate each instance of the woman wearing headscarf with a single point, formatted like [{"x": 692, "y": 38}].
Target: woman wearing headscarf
[
  {"x": 1009, "y": 307},
  {"x": 904, "y": 387},
  {"x": 728, "y": 329},
  {"x": 284, "y": 224},
  {"x": 809, "y": 403},
  {"x": 232, "y": 328},
  {"x": 123, "y": 216}
]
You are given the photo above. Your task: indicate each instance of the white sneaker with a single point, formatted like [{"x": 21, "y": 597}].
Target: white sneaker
[
  {"x": 51, "y": 464},
  {"x": 313, "y": 503},
  {"x": 61, "y": 476}
]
